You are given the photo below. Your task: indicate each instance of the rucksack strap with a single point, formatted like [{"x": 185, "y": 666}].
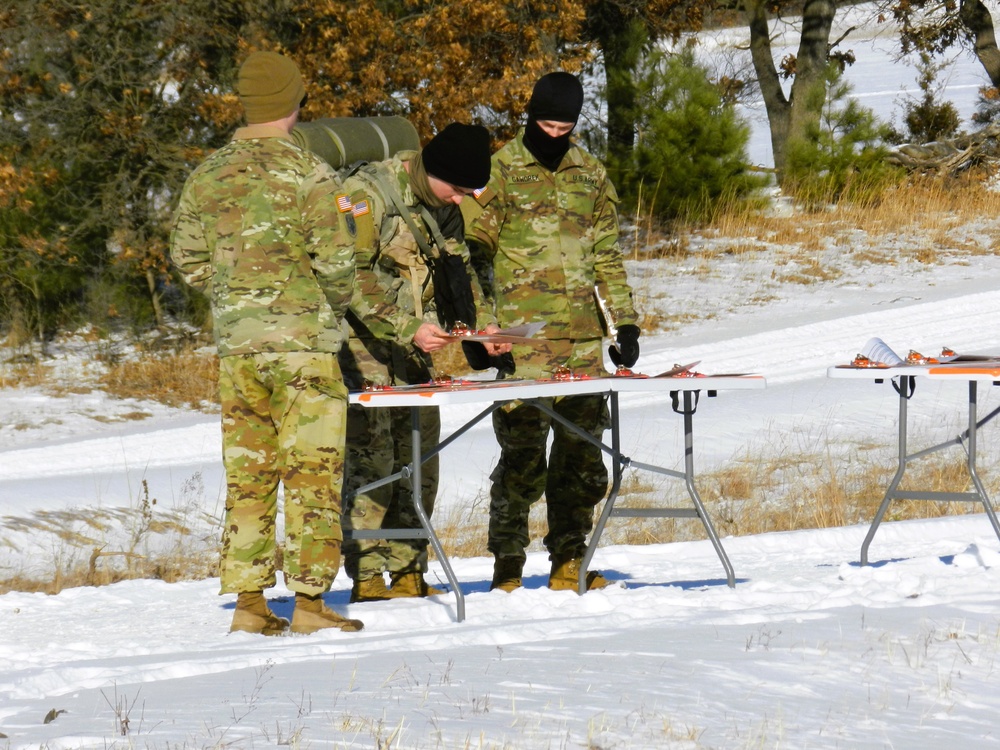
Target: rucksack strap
[{"x": 389, "y": 190}]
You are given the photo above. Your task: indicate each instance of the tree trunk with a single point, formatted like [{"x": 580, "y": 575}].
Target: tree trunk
[
  {"x": 154, "y": 296},
  {"x": 621, "y": 39},
  {"x": 977, "y": 19},
  {"x": 775, "y": 102},
  {"x": 788, "y": 117}
]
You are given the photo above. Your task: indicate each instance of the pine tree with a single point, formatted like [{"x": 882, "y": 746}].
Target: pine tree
[
  {"x": 691, "y": 146},
  {"x": 842, "y": 155}
]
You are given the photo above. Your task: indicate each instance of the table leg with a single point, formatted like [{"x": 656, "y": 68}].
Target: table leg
[
  {"x": 619, "y": 462},
  {"x": 693, "y": 491},
  {"x": 415, "y": 479},
  {"x": 905, "y": 389},
  {"x": 971, "y": 451}
]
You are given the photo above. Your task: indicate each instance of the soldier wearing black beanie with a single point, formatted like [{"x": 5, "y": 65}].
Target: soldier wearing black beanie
[
  {"x": 459, "y": 155},
  {"x": 414, "y": 284}
]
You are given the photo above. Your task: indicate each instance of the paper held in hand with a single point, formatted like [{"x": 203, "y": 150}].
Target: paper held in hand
[{"x": 523, "y": 334}]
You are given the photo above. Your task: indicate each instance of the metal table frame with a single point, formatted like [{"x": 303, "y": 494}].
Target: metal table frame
[
  {"x": 903, "y": 380},
  {"x": 684, "y": 394}
]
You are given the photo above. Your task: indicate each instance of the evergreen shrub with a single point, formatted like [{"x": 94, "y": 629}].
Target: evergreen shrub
[{"x": 690, "y": 156}]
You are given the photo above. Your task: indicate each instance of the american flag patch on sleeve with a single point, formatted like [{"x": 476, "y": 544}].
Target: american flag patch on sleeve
[
  {"x": 344, "y": 203},
  {"x": 360, "y": 208}
]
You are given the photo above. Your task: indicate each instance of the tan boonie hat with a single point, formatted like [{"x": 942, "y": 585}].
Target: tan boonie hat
[{"x": 269, "y": 86}]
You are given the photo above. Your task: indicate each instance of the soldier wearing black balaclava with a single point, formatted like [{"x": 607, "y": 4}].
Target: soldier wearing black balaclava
[
  {"x": 557, "y": 97},
  {"x": 547, "y": 235}
]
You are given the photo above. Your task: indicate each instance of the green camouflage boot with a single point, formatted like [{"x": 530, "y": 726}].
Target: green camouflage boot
[
  {"x": 507, "y": 573},
  {"x": 372, "y": 590},
  {"x": 311, "y": 615},
  {"x": 412, "y": 585},
  {"x": 565, "y": 575},
  {"x": 252, "y": 615}
]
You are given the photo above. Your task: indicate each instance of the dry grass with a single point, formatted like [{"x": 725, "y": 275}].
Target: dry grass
[
  {"x": 790, "y": 483},
  {"x": 178, "y": 377},
  {"x": 463, "y": 529},
  {"x": 756, "y": 494},
  {"x": 931, "y": 208},
  {"x": 24, "y": 372},
  {"x": 186, "y": 378},
  {"x": 451, "y": 361},
  {"x": 104, "y": 567},
  {"x": 99, "y": 546}
]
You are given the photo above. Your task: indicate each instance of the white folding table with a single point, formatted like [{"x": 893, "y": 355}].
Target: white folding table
[
  {"x": 683, "y": 392},
  {"x": 903, "y": 379}
]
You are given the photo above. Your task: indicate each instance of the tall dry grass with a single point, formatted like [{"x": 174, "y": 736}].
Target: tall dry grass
[
  {"x": 928, "y": 220},
  {"x": 930, "y": 208},
  {"x": 95, "y": 546},
  {"x": 187, "y": 377},
  {"x": 25, "y": 372}
]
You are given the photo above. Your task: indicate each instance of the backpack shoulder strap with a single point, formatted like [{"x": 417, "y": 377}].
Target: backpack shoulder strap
[{"x": 431, "y": 250}]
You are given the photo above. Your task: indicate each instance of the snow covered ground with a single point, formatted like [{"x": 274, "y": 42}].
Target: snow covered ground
[{"x": 809, "y": 650}]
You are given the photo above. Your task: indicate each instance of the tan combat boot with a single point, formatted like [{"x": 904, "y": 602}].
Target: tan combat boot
[
  {"x": 371, "y": 590},
  {"x": 507, "y": 573},
  {"x": 565, "y": 575},
  {"x": 412, "y": 585},
  {"x": 311, "y": 615},
  {"x": 252, "y": 615}
]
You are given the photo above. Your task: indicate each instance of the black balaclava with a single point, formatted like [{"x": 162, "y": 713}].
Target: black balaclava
[{"x": 557, "y": 97}]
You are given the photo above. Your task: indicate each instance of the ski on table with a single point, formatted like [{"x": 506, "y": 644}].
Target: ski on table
[{"x": 876, "y": 354}]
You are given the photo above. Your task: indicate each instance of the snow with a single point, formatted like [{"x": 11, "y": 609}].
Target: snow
[{"x": 808, "y": 650}]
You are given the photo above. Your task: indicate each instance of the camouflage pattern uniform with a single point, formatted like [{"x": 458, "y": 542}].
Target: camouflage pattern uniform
[
  {"x": 259, "y": 231},
  {"x": 394, "y": 295},
  {"x": 550, "y": 238}
]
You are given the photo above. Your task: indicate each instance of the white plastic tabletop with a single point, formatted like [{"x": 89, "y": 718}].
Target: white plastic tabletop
[
  {"x": 472, "y": 391},
  {"x": 955, "y": 371}
]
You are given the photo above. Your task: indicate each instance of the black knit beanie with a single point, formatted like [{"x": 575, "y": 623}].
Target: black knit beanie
[
  {"x": 459, "y": 155},
  {"x": 558, "y": 97}
]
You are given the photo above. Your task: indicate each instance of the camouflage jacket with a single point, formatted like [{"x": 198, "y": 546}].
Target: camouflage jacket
[
  {"x": 551, "y": 238},
  {"x": 258, "y": 230},
  {"x": 394, "y": 291}
]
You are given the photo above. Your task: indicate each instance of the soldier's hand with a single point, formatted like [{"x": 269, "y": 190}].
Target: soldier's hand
[
  {"x": 625, "y": 350},
  {"x": 495, "y": 350},
  {"x": 430, "y": 338}
]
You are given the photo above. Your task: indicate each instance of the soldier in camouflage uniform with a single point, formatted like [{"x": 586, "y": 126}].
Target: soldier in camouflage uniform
[
  {"x": 413, "y": 278},
  {"x": 548, "y": 232},
  {"x": 258, "y": 230}
]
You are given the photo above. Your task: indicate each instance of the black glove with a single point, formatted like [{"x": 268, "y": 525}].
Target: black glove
[
  {"x": 504, "y": 364},
  {"x": 478, "y": 359},
  {"x": 453, "y": 291},
  {"x": 475, "y": 355},
  {"x": 625, "y": 350}
]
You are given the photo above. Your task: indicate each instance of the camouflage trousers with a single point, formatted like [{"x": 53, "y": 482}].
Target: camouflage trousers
[
  {"x": 283, "y": 423},
  {"x": 380, "y": 444},
  {"x": 572, "y": 475}
]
